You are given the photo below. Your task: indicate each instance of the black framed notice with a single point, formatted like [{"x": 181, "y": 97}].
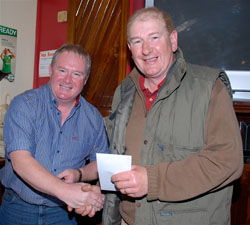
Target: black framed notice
[{"x": 213, "y": 33}]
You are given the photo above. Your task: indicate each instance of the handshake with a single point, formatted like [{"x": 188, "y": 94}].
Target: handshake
[
  {"x": 84, "y": 198},
  {"x": 93, "y": 203}
]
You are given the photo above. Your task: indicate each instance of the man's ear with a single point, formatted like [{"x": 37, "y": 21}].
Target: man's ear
[
  {"x": 174, "y": 40},
  {"x": 129, "y": 47},
  {"x": 85, "y": 81}
]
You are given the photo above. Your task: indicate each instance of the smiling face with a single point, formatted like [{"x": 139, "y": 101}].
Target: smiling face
[
  {"x": 68, "y": 77},
  {"x": 152, "y": 47}
]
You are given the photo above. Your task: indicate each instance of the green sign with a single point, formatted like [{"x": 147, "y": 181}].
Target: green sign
[{"x": 8, "y": 31}]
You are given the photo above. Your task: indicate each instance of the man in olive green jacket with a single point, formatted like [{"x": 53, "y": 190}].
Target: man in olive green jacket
[{"x": 177, "y": 121}]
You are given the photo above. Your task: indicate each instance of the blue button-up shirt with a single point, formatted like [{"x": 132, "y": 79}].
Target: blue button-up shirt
[{"x": 33, "y": 123}]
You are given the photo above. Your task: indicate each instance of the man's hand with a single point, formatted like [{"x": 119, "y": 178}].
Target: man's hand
[
  {"x": 133, "y": 183},
  {"x": 74, "y": 197},
  {"x": 69, "y": 175},
  {"x": 86, "y": 209}
]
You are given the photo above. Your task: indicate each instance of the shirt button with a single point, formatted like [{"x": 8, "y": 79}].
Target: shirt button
[
  {"x": 145, "y": 142},
  {"x": 60, "y": 132},
  {"x": 55, "y": 170},
  {"x": 138, "y": 205},
  {"x": 150, "y": 99},
  {"x": 58, "y": 151}
]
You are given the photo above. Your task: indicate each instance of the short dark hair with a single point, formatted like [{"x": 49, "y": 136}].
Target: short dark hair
[
  {"x": 75, "y": 48},
  {"x": 145, "y": 13}
]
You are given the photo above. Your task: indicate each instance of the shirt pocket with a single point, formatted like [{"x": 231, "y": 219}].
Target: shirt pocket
[{"x": 80, "y": 151}]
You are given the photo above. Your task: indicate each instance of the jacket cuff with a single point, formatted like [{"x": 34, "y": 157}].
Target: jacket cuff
[{"x": 152, "y": 183}]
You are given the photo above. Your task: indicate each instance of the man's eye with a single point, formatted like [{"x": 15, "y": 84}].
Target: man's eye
[
  {"x": 61, "y": 70},
  {"x": 136, "y": 42},
  {"x": 155, "y": 37},
  {"x": 77, "y": 74}
]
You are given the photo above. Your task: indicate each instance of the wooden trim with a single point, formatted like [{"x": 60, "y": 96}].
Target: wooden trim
[
  {"x": 123, "y": 42},
  {"x": 71, "y": 21},
  {"x": 241, "y": 107}
]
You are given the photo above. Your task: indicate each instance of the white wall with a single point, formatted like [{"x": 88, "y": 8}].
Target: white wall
[
  {"x": 20, "y": 15},
  {"x": 149, "y": 3}
]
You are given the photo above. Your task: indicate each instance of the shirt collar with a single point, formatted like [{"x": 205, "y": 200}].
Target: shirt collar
[
  {"x": 144, "y": 89},
  {"x": 77, "y": 100}
]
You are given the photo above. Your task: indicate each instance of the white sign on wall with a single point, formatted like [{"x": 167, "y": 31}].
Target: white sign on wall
[{"x": 44, "y": 62}]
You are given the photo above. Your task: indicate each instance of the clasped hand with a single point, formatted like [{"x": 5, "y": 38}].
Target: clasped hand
[
  {"x": 90, "y": 209},
  {"x": 90, "y": 199}
]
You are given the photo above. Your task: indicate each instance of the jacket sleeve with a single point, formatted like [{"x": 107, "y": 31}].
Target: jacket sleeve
[{"x": 219, "y": 162}]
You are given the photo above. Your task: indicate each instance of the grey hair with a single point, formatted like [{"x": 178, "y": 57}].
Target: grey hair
[
  {"x": 75, "y": 48},
  {"x": 150, "y": 12}
]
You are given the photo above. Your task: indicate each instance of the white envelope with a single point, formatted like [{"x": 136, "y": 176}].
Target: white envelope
[{"x": 110, "y": 164}]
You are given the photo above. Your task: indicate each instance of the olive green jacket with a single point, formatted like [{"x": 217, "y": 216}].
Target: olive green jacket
[{"x": 174, "y": 130}]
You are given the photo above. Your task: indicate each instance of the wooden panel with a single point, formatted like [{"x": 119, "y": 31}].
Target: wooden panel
[
  {"x": 99, "y": 26},
  {"x": 240, "y": 210},
  {"x": 242, "y": 108}
]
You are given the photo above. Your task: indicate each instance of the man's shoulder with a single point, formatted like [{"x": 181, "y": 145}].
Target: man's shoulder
[
  {"x": 198, "y": 69},
  {"x": 32, "y": 96},
  {"x": 89, "y": 109},
  {"x": 201, "y": 72}
]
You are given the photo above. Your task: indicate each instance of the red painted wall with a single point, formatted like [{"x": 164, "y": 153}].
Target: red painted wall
[
  {"x": 136, "y": 4},
  {"x": 51, "y": 35}
]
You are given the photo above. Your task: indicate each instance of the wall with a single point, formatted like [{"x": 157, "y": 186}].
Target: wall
[
  {"x": 38, "y": 30},
  {"x": 21, "y": 15},
  {"x": 50, "y": 34},
  {"x": 136, "y": 4}
]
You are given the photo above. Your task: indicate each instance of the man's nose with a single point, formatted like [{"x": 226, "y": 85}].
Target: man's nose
[
  {"x": 67, "y": 77},
  {"x": 146, "y": 48}
]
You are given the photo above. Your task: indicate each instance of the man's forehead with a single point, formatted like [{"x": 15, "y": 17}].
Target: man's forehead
[
  {"x": 149, "y": 17},
  {"x": 69, "y": 54},
  {"x": 155, "y": 21},
  {"x": 149, "y": 26}
]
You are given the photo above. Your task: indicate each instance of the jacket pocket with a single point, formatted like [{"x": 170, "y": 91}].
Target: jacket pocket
[
  {"x": 182, "y": 217},
  {"x": 163, "y": 153}
]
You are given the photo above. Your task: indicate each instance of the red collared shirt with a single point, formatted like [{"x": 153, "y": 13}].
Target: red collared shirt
[{"x": 149, "y": 96}]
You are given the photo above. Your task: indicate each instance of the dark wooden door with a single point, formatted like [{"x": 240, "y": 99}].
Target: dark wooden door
[
  {"x": 240, "y": 210},
  {"x": 99, "y": 26}
]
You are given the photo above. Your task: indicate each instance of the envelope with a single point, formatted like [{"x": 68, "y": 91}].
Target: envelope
[{"x": 110, "y": 164}]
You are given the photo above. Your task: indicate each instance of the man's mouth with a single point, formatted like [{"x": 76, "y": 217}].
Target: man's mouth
[
  {"x": 65, "y": 87},
  {"x": 151, "y": 59}
]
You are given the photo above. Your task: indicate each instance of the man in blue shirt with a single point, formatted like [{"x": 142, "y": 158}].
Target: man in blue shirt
[{"x": 49, "y": 134}]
